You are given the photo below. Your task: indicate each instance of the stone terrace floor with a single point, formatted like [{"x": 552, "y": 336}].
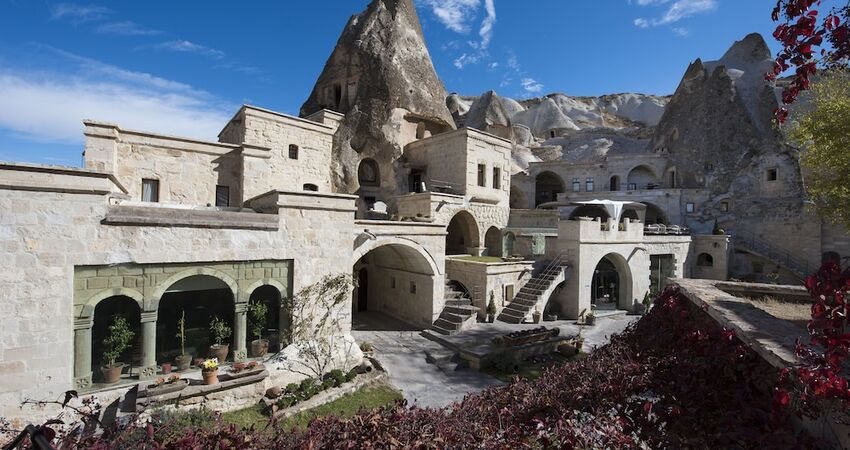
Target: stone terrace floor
[{"x": 405, "y": 353}]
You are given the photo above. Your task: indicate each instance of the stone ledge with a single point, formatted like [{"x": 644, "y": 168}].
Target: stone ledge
[
  {"x": 773, "y": 339},
  {"x": 45, "y": 178},
  {"x": 173, "y": 217}
]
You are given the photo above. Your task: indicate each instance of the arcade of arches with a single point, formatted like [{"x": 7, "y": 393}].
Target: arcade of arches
[
  {"x": 153, "y": 298},
  {"x": 397, "y": 280}
]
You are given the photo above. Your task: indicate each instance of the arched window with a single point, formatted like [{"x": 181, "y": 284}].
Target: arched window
[
  {"x": 547, "y": 187},
  {"x": 368, "y": 173},
  {"x": 311, "y": 187},
  {"x": 293, "y": 151},
  {"x": 705, "y": 260}
]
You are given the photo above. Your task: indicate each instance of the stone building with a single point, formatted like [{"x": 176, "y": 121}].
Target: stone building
[{"x": 433, "y": 218}]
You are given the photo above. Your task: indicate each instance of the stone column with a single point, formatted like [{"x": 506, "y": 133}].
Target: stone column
[
  {"x": 147, "y": 370},
  {"x": 240, "y": 331},
  {"x": 82, "y": 353}
]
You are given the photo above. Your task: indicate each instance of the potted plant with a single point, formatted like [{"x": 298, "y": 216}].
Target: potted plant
[
  {"x": 367, "y": 348},
  {"x": 491, "y": 308},
  {"x": 182, "y": 361},
  {"x": 114, "y": 345},
  {"x": 590, "y": 319},
  {"x": 166, "y": 368},
  {"x": 535, "y": 316},
  {"x": 220, "y": 333},
  {"x": 209, "y": 369},
  {"x": 257, "y": 311}
]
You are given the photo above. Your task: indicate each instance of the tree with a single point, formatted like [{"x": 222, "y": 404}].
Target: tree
[
  {"x": 801, "y": 35},
  {"x": 822, "y": 129},
  {"x": 317, "y": 331}
]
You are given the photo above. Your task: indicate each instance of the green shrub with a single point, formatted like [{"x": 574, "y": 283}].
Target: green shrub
[
  {"x": 352, "y": 374},
  {"x": 291, "y": 388},
  {"x": 329, "y": 383},
  {"x": 338, "y": 376}
]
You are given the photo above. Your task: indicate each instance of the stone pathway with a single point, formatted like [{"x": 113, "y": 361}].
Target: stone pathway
[{"x": 405, "y": 354}]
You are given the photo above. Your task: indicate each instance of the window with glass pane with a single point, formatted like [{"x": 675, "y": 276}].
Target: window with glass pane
[
  {"x": 589, "y": 187},
  {"x": 576, "y": 185},
  {"x": 150, "y": 190},
  {"x": 222, "y": 196},
  {"x": 497, "y": 178},
  {"x": 482, "y": 175}
]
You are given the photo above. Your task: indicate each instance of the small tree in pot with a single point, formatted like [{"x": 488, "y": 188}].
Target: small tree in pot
[
  {"x": 183, "y": 360},
  {"x": 257, "y": 312},
  {"x": 114, "y": 345},
  {"x": 220, "y": 332}
]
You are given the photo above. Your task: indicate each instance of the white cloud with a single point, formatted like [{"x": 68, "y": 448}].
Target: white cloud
[
  {"x": 531, "y": 85},
  {"x": 50, "y": 106},
  {"x": 641, "y": 23},
  {"x": 681, "y": 31},
  {"x": 184, "y": 46},
  {"x": 486, "y": 30},
  {"x": 681, "y": 9},
  {"x": 454, "y": 14},
  {"x": 78, "y": 13},
  {"x": 126, "y": 28},
  {"x": 458, "y": 16}
]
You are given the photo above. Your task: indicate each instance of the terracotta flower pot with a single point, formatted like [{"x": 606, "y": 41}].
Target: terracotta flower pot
[
  {"x": 166, "y": 368},
  {"x": 210, "y": 376},
  {"x": 112, "y": 374},
  {"x": 183, "y": 362},
  {"x": 259, "y": 348},
  {"x": 220, "y": 352}
]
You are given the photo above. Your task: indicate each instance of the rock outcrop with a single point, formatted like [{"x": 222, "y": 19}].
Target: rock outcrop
[{"x": 380, "y": 75}]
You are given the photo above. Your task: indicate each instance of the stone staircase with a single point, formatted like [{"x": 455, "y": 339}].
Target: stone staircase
[
  {"x": 458, "y": 314},
  {"x": 771, "y": 251},
  {"x": 538, "y": 289}
]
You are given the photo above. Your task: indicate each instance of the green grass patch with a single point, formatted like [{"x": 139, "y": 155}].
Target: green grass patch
[
  {"x": 482, "y": 259},
  {"x": 346, "y": 406},
  {"x": 531, "y": 371}
]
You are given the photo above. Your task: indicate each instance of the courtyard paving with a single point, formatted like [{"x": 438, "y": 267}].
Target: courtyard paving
[{"x": 405, "y": 353}]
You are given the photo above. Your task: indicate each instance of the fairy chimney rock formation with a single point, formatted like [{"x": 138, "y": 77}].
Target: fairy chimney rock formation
[{"x": 380, "y": 75}]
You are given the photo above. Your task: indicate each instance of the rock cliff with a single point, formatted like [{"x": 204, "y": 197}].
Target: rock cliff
[{"x": 380, "y": 75}]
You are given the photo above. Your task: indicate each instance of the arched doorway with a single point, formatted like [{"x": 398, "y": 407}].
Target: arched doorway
[
  {"x": 614, "y": 186},
  {"x": 493, "y": 242},
  {"x": 642, "y": 177},
  {"x": 611, "y": 286},
  {"x": 396, "y": 284},
  {"x": 277, "y": 323},
  {"x": 462, "y": 234},
  {"x": 547, "y": 186},
  {"x": 104, "y": 313},
  {"x": 201, "y": 298}
]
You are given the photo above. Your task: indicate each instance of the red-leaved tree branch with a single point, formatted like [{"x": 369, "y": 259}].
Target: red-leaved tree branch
[{"x": 809, "y": 39}]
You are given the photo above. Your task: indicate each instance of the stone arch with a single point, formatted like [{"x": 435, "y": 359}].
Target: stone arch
[
  {"x": 508, "y": 244},
  {"x": 641, "y": 177},
  {"x": 547, "y": 186},
  {"x": 654, "y": 214},
  {"x": 373, "y": 244},
  {"x": 670, "y": 178},
  {"x": 88, "y": 308},
  {"x": 493, "y": 242},
  {"x": 624, "y": 282},
  {"x": 462, "y": 233},
  {"x": 592, "y": 211},
  {"x": 395, "y": 279},
  {"x": 159, "y": 291},
  {"x": 101, "y": 319}
]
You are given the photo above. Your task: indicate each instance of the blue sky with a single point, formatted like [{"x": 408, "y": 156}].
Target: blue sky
[{"x": 184, "y": 67}]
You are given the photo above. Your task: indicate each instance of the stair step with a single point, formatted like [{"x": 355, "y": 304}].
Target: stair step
[
  {"x": 466, "y": 310},
  {"x": 445, "y": 332},
  {"x": 445, "y": 324},
  {"x": 508, "y": 319},
  {"x": 457, "y": 319},
  {"x": 458, "y": 303}
]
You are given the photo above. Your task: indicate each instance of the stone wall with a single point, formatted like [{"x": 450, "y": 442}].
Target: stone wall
[
  {"x": 719, "y": 248},
  {"x": 188, "y": 170},
  {"x": 53, "y": 232}
]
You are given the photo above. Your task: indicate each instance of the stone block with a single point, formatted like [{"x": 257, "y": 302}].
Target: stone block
[
  {"x": 97, "y": 283},
  {"x": 79, "y": 284},
  {"x": 130, "y": 270},
  {"x": 116, "y": 282},
  {"x": 130, "y": 282},
  {"x": 107, "y": 272}
]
